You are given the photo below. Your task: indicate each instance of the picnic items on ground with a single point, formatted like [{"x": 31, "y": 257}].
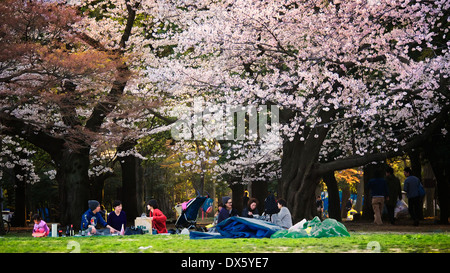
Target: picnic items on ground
[
  {"x": 314, "y": 229},
  {"x": 144, "y": 223},
  {"x": 241, "y": 227}
]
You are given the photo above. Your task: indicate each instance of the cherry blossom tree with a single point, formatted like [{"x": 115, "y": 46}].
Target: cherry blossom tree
[
  {"x": 69, "y": 83},
  {"x": 350, "y": 78}
]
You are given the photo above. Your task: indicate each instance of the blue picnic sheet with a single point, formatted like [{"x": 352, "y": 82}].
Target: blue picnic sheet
[{"x": 239, "y": 227}]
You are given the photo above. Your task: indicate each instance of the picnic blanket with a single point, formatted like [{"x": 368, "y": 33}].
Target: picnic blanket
[{"x": 239, "y": 227}]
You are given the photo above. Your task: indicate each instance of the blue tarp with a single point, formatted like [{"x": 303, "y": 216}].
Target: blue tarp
[{"x": 239, "y": 227}]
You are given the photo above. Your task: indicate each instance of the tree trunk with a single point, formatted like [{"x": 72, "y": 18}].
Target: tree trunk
[
  {"x": 416, "y": 165},
  {"x": 20, "y": 213},
  {"x": 369, "y": 173},
  {"x": 440, "y": 163},
  {"x": 73, "y": 180},
  {"x": 132, "y": 187},
  {"x": 334, "y": 210},
  {"x": 237, "y": 194},
  {"x": 345, "y": 196},
  {"x": 2, "y": 227},
  {"x": 260, "y": 192},
  {"x": 443, "y": 193},
  {"x": 299, "y": 193},
  {"x": 299, "y": 165}
]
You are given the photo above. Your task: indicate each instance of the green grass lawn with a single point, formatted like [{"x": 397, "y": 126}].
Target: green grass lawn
[{"x": 357, "y": 242}]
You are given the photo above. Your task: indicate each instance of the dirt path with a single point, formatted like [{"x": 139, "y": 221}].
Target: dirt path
[{"x": 402, "y": 225}]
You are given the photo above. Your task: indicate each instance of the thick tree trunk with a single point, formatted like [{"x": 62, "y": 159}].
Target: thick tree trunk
[
  {"x": 20, "y": 213},
  {"x": 299, "y": 189},
  {"x": 334, "y": 210},
  {"x": 300, "y": 175},
  {"x": 237, "y": 194},
  {"x": 440, "y": 163},
  {"x": 132, "y": 190},
  {"x": 132, "y": 182},
  {"x": 73, "y": 180}
]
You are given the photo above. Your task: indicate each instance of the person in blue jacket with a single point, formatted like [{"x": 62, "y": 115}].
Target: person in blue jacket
[
  {"x": 412, "y": 187},
  {"x": 379, "y": 191},
  {"x": 91, "y": 220}
]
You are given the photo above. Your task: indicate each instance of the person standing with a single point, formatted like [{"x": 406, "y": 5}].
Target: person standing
[
  {"x": 412, "y": 188},
  {"x": 379, "y": 191},
  {"x": 395, "y": 193}
]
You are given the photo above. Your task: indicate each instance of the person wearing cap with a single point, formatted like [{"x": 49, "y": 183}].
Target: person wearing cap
[
  {"x": 227, "y": 211},
  {"x": 92, "y": 217}
]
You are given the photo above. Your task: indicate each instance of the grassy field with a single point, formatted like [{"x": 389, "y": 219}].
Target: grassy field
[{"x": 358, "y": 242}]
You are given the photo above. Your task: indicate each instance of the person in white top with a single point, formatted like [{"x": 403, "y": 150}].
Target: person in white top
[{"x": 282, "y": 218}]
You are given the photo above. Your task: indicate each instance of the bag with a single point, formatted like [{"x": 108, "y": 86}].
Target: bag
[
  {"x": 401, "y": 209},
  {"x": 134, "y": 231},
  {"x": 314, "y": 229}
]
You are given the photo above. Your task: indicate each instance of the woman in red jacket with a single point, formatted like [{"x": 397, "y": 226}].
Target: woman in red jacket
[{"x": 158, "y": 218}]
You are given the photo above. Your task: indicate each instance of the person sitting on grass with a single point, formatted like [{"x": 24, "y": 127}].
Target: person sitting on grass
[
  {"x": 92, "y": 217},
  {"x": 282, "y": 218},
  {"x": 157, "y": 217},
  {"x": 40, "y": 227},
  {"x": 251, "y": 209},
  {"x": 117, "y": 218},
  {"x": 227, "y": 211}
]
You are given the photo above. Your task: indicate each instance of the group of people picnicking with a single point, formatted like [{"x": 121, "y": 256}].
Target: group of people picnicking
[
  {"x": 383, "y": 190},
  {"x": 280, "y": 216},
  {"x": 93, "y": 223}
]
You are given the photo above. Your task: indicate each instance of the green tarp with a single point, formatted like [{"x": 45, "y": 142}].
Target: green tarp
[{"x": 314, "y": 229}]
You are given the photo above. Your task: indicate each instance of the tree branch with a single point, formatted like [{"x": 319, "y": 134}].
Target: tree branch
[
  {"x": 355, "y": 161},
  {"x": 105, "y": 107},
  {"x": 15, "y": 126}
]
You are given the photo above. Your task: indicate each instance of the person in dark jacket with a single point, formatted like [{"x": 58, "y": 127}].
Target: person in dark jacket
[
  {"x": 411, "y": 186},
  {"x": 227, "y": 211},
  {"x": 379, "y": 191},
  {"x": 251, "y": 209},
  {"x": 117, "y": 218},
  {"x": 92, "y": 218},
  {"x": 395, "y": 193}
]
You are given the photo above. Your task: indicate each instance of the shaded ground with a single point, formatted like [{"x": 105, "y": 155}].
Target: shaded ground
[{"x": 402, "y": 225}]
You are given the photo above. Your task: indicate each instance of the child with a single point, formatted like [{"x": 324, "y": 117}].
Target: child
[{"x": 40, "y": 227}]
